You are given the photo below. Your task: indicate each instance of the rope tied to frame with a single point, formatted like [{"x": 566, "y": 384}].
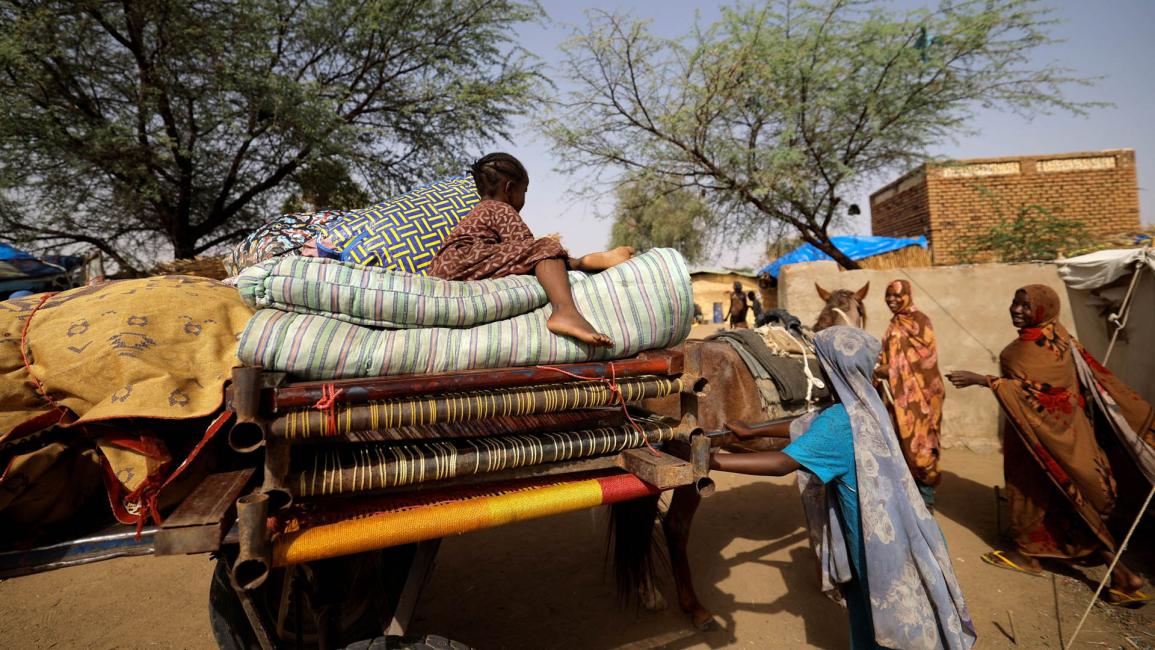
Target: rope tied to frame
[
  {"x": 328, "y": 404},
  {"x": 616, "y": 390}
]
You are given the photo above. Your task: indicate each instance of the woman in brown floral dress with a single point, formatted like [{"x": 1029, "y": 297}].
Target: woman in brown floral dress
[
  {"x": 1060, "y": 483},
  {"x": 909, "y": 367},
  {"x": 492, "y": 241}
]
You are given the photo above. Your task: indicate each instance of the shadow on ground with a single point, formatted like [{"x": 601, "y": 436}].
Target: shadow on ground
[
  {"x": 545, "y": 583},
  {"x": 956, "y": 498}
]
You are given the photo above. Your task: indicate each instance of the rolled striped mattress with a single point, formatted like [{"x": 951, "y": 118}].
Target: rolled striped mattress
[{"x": 326, "y": 319}]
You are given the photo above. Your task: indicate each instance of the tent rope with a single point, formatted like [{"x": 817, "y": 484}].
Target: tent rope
[{"x": 1119, "y": 319}]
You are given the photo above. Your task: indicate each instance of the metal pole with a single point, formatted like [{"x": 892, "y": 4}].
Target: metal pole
[
  {"x": 1107, "y": 576},
  {"x": 1120, "y": 320}
]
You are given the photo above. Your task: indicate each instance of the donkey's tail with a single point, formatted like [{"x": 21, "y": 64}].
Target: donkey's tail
[{"x": 632, "y": 540}]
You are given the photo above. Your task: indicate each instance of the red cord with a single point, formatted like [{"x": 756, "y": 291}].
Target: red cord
[
  {"x": 28, "y": 362},
  {"x": 614, "y": 389},
  {"x": 328, "y": 403}
]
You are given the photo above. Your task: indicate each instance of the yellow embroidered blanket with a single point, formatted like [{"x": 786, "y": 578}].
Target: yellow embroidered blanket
[{"x": 159, "y": 347}]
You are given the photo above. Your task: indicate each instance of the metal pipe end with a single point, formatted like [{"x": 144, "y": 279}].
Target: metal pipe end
[
  {"x": 705, "y": 486},
  {"x": 247, "y": 437},
  {"x": 279, "y": 497},
  {"x": 252, "y": 565},
  {"x": 250, "y": 573}
]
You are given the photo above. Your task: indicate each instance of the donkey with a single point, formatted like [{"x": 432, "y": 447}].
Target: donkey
[
  {"x": 843, "y": 307},
  {"x": 731, "y": 395}
]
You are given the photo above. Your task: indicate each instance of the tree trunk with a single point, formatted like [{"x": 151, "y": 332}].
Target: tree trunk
[
  {"x": 822, "y": 242},
  {"x": 182, "y": 236},
  {"x": 183, "y": 246}
]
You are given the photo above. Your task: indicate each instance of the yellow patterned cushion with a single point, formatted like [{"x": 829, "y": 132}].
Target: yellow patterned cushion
[{"x": 404, "y": 232}]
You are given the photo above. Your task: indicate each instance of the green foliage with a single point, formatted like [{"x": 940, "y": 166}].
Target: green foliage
[
  {"x": 325, "y": 185},
  {"x": 125, "y": 125},
  {"x": 648, "y": 216},
  {"x": 1034, "y": 233},
  {"x": 780, "y": 109},
  {"x": 780, "y": 245}
]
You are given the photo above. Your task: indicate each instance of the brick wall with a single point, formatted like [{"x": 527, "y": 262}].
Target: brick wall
[
  {"x": 951, "y": 202},
  {"x": 902, "y": 209}
]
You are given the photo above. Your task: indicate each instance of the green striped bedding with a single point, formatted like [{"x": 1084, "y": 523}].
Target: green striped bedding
[
  {"x": 642, "y": 304},
  {"x": 377, "y": 297}
]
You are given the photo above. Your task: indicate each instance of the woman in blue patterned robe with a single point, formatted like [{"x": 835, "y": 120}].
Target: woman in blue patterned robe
[{"x": 875, "y": 539}]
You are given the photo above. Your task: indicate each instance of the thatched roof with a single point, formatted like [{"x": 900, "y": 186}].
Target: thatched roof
[{"x": 205, "y": 267}]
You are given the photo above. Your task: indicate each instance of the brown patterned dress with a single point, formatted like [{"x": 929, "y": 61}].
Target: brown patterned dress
[
  {"x": 1059, "y": 480},
  {"x": 492, "y": 242},
  {"x": 910, "y": 360}
]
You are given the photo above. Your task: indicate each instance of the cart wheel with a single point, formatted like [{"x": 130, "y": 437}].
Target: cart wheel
[
  {"x": 231, "y": 628},
  {"x": 427, "y": 642},
  {"x": 357, "y": 617}
]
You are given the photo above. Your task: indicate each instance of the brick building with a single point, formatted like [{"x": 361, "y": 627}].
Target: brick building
[{"x": 953, "y": 201}]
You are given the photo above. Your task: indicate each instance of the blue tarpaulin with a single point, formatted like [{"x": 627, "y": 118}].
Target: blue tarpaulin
[
  {"x": 22, "y": 271},
  {"x": 9, "y": 253},
  {"x": 15, "y": 263},
  {"x": 856, "y": 247}
]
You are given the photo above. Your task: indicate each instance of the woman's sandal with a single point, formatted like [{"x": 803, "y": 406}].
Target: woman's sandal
[
  {"x": 1000, "y": 560},
  {"x": 1132, "y": 600}
]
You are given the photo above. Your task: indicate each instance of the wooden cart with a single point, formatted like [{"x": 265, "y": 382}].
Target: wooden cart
[{"x": 327, "y": 529}]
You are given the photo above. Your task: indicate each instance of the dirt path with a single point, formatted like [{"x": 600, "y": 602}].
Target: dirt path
[{"x": 543, "y": 584}]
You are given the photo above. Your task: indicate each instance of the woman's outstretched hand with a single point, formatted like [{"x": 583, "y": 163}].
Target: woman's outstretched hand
[
  {"x": 741, "y": 429},
  {"x": 964, "y": 378},
  {"x": 745, "y": 431}
]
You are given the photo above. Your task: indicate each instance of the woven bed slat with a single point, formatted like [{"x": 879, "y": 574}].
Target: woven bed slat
[
  {"x": 307, "y": 393},
  {"x": 396, "y": 413},
  {"x": 349, "y": 469},
  {"x": 500, "y": 426}
]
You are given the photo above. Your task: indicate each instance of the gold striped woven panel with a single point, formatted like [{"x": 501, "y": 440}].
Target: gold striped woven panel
[
  {"x": 462, "y": 407},
  {"x": 361, "y": 468},
  {"x": 575, "y": 420}
]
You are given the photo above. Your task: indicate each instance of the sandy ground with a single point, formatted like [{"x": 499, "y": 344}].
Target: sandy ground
[{"x": 543, "y": 584}]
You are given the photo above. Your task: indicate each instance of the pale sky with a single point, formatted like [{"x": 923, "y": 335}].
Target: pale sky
[{"x": 1105, "y": 38}]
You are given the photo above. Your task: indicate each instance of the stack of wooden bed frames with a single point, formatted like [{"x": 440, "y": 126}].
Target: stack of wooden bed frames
[{"x": 359, "y": 465}]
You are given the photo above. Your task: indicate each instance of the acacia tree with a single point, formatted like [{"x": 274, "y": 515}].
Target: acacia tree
[
  {"x": 324, "y": 185},
  {"x": 128, "y": 123},
  {"x": 780, "y": 109},
  {"x": 648, "y": 215}
]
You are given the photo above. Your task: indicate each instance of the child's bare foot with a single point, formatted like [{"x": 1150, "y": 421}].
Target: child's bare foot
[
  {"x": 569, "y": 322},
  {"x": 605, "y": 259}
]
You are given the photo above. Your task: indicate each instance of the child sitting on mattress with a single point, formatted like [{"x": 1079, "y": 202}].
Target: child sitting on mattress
[{"x": 492, "y": 242}]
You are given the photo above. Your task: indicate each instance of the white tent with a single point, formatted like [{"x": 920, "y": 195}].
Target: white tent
[
  {"x": 1101, "y": 268},
  {"x": 1112, "y": 295}
]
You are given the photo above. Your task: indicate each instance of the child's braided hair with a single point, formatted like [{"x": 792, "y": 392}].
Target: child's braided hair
[{"x": 489, "y": 172}]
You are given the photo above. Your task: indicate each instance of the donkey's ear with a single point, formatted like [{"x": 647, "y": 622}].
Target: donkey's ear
[
  {"x": 822, "y": 293},
  {"x": 861, "y": 293}
]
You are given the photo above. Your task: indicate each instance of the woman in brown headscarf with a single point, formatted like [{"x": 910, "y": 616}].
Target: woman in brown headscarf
[
  {"x": 909, "y": 367},
  {"x": 1059, "y": 481}
]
